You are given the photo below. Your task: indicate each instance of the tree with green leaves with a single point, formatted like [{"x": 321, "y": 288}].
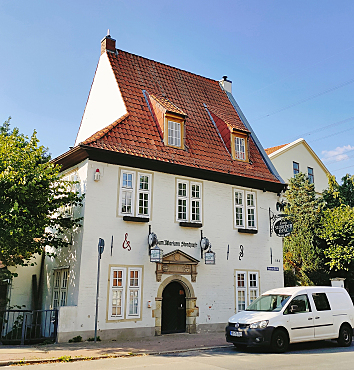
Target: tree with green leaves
[
  {"x": 32, "y": 199},
  {"x": 303, "y": 262},
  {"x": 336, "y": 230}
]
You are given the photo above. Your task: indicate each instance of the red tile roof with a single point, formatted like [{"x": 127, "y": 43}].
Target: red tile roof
[
  {"x": 137, "y": 133},
  {"x": 274, "y": 149}
]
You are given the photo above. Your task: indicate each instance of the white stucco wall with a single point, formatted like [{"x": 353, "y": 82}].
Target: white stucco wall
[
  {"x": 214, "y": 286},
  {"x": 283, "y": 162},
  {"x": 105, "y": 103},
  {"x": 67, "y": 257},
  {"x": 21, "y": 286}
]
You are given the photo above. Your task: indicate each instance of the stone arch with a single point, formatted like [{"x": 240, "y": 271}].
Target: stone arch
[{"x": 192, "y": 311}]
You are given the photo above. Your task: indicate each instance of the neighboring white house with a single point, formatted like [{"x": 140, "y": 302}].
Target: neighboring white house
[
  {"x": 164, "y": 151},
  {"x": 290, "y": 159}
]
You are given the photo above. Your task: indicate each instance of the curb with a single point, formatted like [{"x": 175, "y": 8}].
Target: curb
[{"x": 131, "y": 354}]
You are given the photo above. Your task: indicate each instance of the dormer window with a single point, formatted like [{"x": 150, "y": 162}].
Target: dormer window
[
  {"x": 170, "y": 120},
  {"x": 174, "y": 133},
  {"x": 239, "y": 145}
]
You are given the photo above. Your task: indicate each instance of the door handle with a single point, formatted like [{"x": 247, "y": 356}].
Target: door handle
[
  {"x": 310, "y": 318},
  {"x": 317, "y": 317}
]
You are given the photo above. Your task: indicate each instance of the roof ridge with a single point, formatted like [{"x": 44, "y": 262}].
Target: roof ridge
[{"x": 164, "y": 64}]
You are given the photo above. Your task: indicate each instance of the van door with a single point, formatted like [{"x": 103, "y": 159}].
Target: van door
[
  {"x": 323, "y": 316},
  {"x": 299, "y": 319}
]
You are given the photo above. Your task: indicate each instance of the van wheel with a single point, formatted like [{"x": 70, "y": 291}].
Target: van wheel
[
  {"x": 280, "y": 341},
  {"x": 345, "y": 336}
]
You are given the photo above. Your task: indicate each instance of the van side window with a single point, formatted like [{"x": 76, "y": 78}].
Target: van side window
[
  {"x": 321, "y": 301},
  {"x": 299, "y": 304}
]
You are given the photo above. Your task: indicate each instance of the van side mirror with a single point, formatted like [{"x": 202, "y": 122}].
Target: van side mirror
[{"x": 294, "y": 308}]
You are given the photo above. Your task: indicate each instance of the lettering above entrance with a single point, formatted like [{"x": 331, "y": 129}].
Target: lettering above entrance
[{"x": 177, "y": 262}]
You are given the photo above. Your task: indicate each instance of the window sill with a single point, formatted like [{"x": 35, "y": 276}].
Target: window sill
[
  {"x": 136, "y": 219},
  {"x": 248, "y": 231},
  {"x": 190, "y": 224}
]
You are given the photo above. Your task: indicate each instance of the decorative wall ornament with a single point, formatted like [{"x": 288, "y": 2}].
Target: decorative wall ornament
[
  {"x": 241, "y": 253},
  {"x": 126, "y": 243}
]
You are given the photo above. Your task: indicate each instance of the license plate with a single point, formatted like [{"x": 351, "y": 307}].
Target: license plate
[{"x": 236, "y": 333}]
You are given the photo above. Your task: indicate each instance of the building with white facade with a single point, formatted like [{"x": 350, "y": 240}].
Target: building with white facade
[
  {"x": 295, "y": 157},
  {"x": 163, "y": 151}
]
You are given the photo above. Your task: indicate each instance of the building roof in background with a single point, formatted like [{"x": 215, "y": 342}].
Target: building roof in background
[{"x": 274, "y": 148}]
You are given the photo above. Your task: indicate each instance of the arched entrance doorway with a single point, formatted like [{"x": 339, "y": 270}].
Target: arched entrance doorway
[{"x": 173, "y": 309}]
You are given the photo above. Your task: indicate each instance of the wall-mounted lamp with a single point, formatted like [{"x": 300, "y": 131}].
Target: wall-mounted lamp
[{"x": 97, "y": 175}]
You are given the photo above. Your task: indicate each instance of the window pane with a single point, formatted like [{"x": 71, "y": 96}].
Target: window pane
[
  {"x": 133, "y": 302},
  {"x": 63, "y": 298},
  {"x": 116, "y": 303},
  {"x": 239, "y": 216},
  {"x": 174, "y": 133},
  {"x": 253, "y": 280},
  {"x": 310, "y": 175},
  {"x": 253, "y": 295},
  {"x": 321, "y": 301},
  {"x": 195, "y": 191},
  {"x": 144, "y": 183},
  {"x": 238, "y": 198},
  {"x": 250, "y": 200},
  {"x": 240, "y": 148},
  {"x": 250, "y": 217},
  {"x": 126, "y": 202},
  {"x": 143, "y": 203},
  {"x": 182, "y": 189},
  {"x": 195, "y": 210},
  {"x": 240, "y": 280},
  {"x": 127, "y": 180},
  {"x": 241, "y": 299},
  {"x": 296, "y": 168},
  {"x": 182, "y": 209}
]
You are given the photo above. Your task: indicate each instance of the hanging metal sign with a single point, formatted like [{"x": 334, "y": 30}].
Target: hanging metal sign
[
  {"x": 209, "y": 258},
  {"x": 283, "y": 227},
  {"x": 156, "y": 254}
]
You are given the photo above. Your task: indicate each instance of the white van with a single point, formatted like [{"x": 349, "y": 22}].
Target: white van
[{"x": 290, "y": 315}]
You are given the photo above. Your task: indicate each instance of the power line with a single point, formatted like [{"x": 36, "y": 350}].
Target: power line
[
  {"x": 307, "y": 99},
  {"x": 328, "y": 126},
  {"x": 336, "y": 133}
]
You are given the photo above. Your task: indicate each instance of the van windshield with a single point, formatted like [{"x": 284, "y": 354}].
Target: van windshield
[{"x": 271, "y": 302}]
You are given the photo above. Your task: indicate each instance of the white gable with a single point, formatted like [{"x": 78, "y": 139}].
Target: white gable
[{"x": 105, "y": 103}]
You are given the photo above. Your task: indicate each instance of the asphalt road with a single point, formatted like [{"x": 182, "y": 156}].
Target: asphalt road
[{"x": 317, "y": 355}]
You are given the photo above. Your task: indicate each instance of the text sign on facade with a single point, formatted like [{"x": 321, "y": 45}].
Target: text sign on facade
[
  {"x": 283, "y": 227},
  {"x": 177, "y": 244},
  {"x": 272, "y": 268}
]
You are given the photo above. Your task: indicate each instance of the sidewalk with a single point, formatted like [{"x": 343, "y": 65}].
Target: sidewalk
[{"x": 88, "y": 350}]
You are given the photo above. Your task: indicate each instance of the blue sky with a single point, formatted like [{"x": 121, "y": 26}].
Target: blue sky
[{"x": 291, "y": 62}]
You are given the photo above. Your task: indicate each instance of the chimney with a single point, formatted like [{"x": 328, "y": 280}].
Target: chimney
[
  {"x": 108, "y": 44},
  {"x": 226, "y": 84}
]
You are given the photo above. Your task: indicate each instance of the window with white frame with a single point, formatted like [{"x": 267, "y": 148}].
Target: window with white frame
[
  {"x": 245, "y": 209},
  {"x": 189, "y": 201},
  {"x": 174, "y": 133},
  {"x": 240, "y": 148},
  {"x": 60, "y": 287},
  {"x": 247, "y": 289},
  {"x": 125, "y": 283},
  {"x": 133, "y": 185},
  {"x": 239, "y": 208}
]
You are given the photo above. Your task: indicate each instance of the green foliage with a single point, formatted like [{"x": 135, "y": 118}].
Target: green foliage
[
  {"x": 337, "y": 230},
  {"x": 98, "y": 339},
  {"x": 339, "y": 194},
  {"x": 32, "y": 196},
  {"x": 64, "y": 358},
  {"x": 76, "y": 339},
  {"x": 301, "y": 255}
]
